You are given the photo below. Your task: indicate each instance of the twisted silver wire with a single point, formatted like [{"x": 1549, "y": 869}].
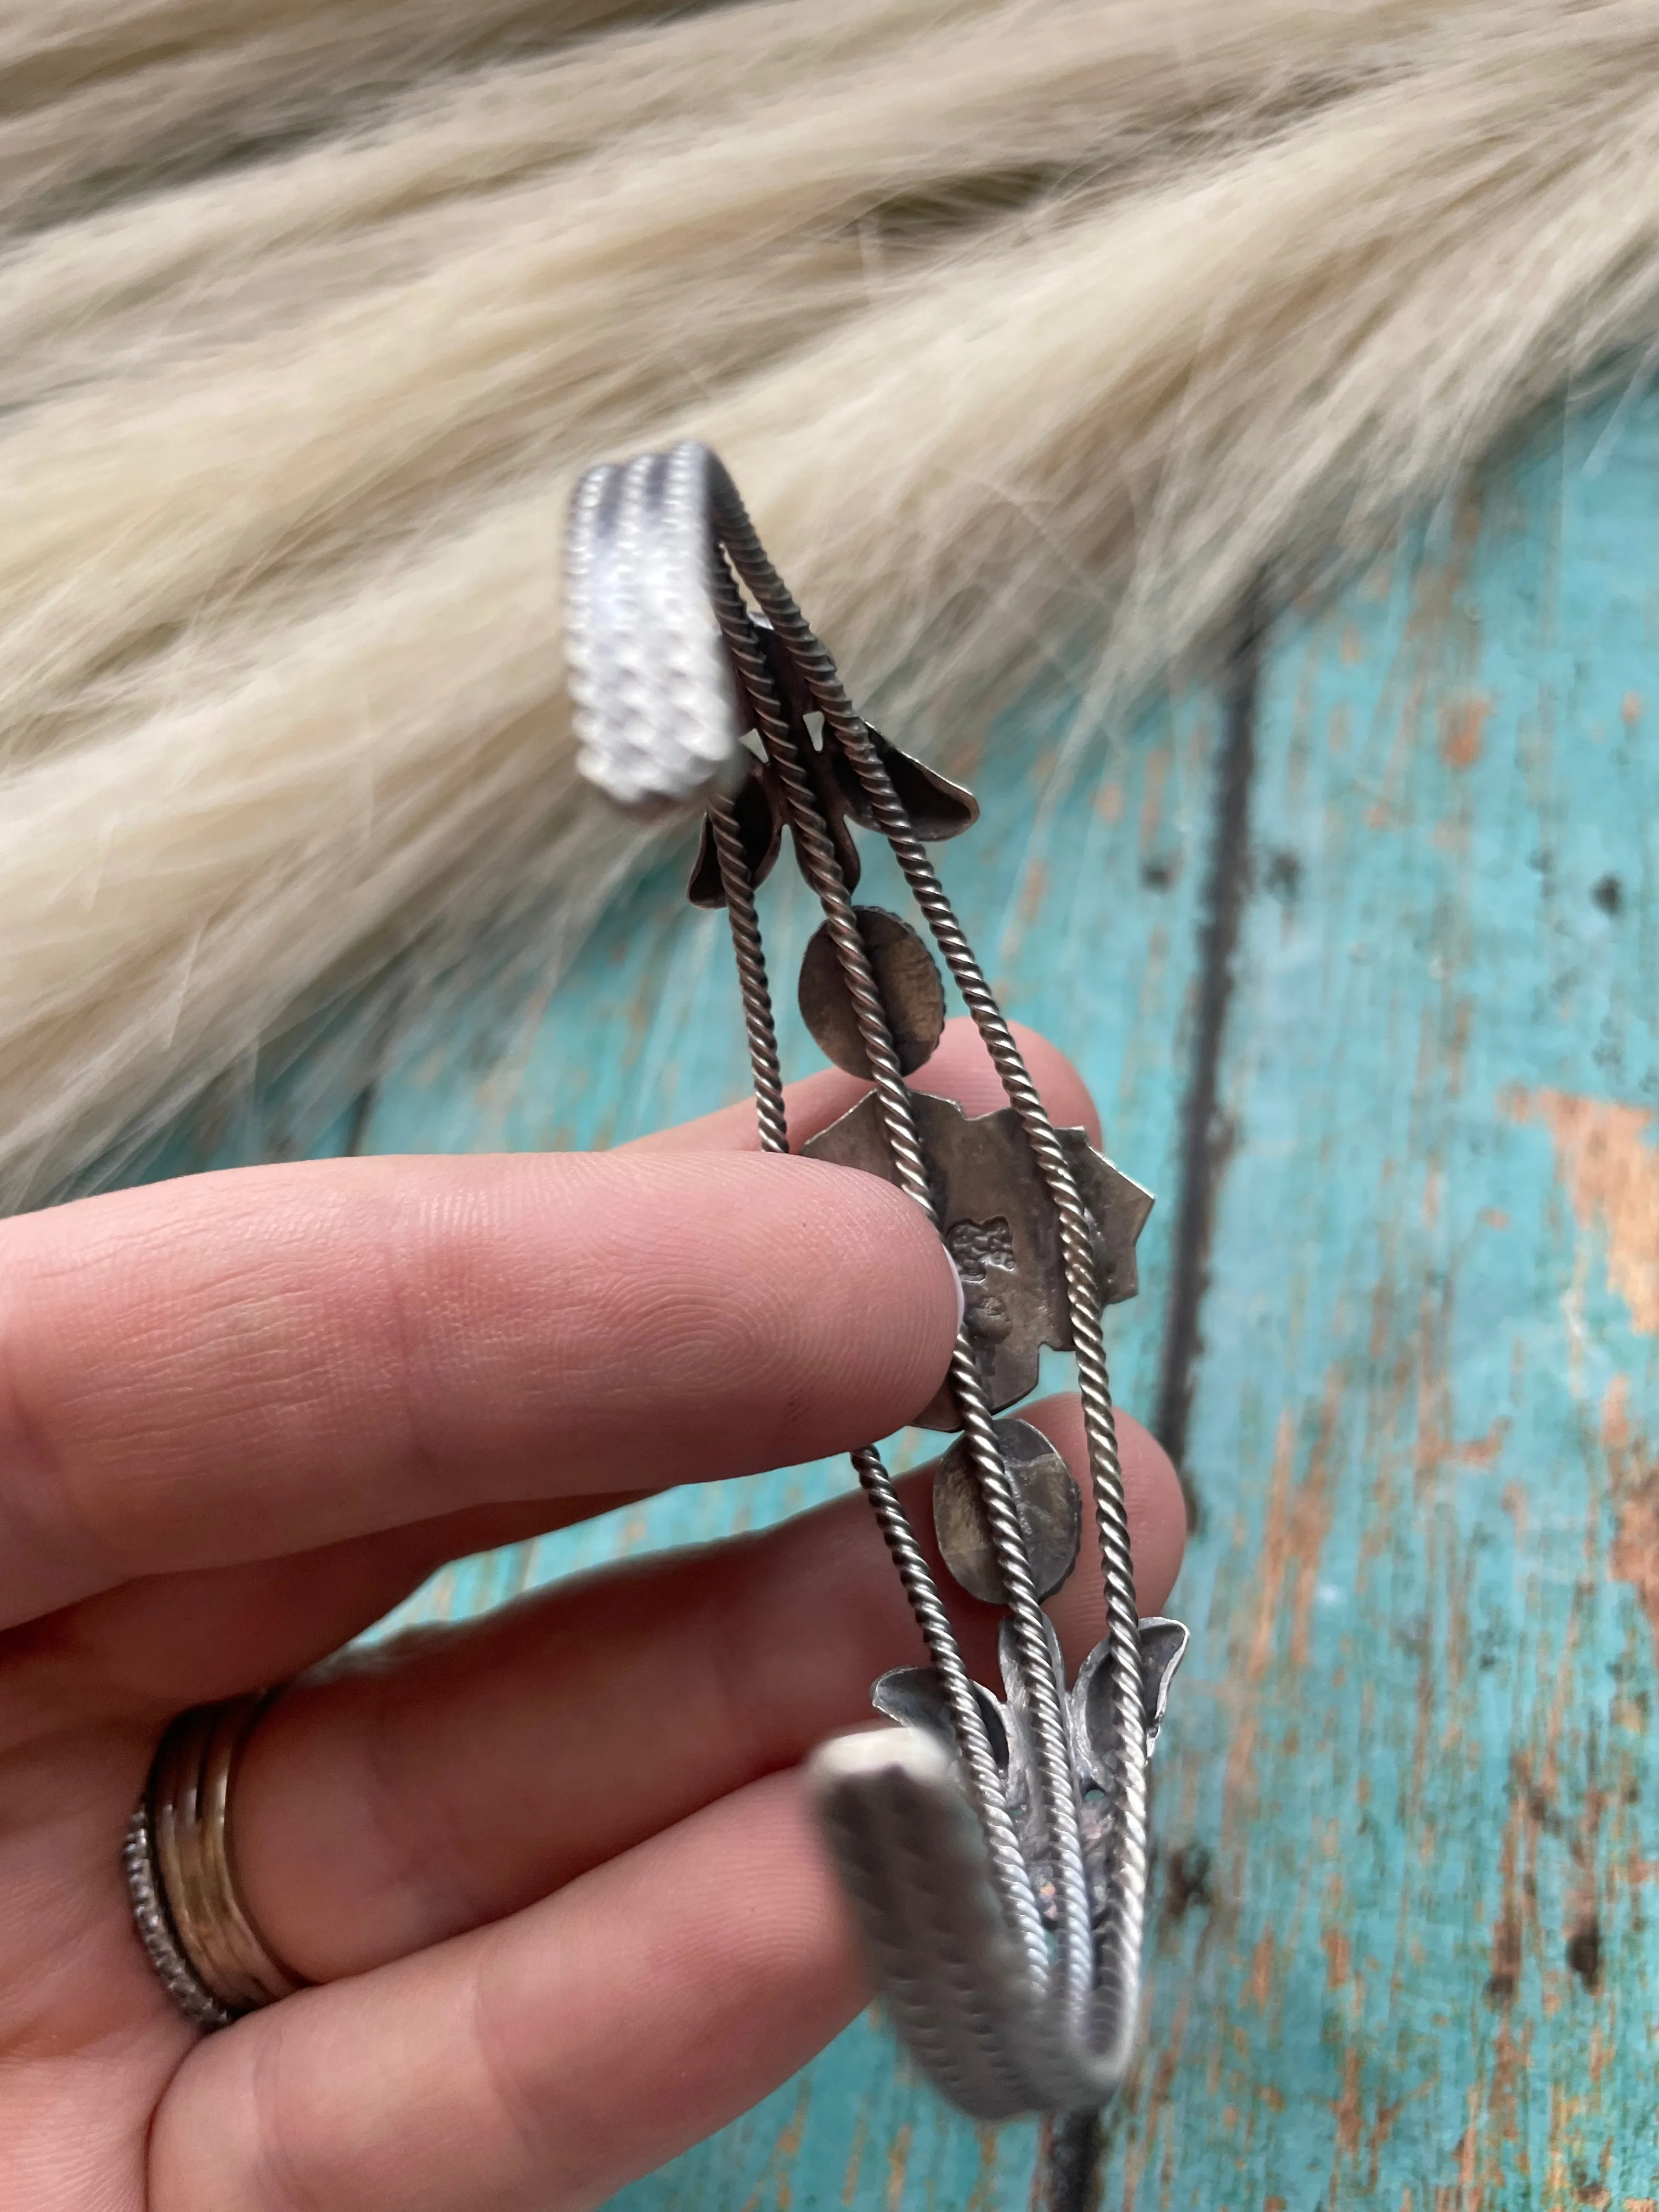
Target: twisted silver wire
[
  {"x": 1056, "y": 1777},
  {"x": 1059, "y": 1807},
  {"x": 914, "y": 1574},
  {"x": 823, "y": 871},
  {"x": 1118, "y": 2002},
  {"x": 1057, "y": 1798},
  {"x": 1114, "y": 2006},
  {"x": 770, "y": 1112},
  {"x": 1012, "y": 1875}
]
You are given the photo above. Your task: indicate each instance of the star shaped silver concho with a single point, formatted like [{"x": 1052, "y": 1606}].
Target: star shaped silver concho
[{"x": 999, "y": 1221}]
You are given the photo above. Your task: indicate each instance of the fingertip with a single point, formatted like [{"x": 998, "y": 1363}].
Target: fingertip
[
  {"x": 548, "y": 2058},
  {"x": 903, "y": 1298},
  {"x": 1071, "y": 1104},
  {"x": 1151, "y": 1497},
  {"x": 961, "y": 1069},
  {"x": 1158, "y": 1513}
]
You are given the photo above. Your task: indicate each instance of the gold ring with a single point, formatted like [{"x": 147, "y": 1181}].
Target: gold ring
[{"x": 180, "y": 1864}]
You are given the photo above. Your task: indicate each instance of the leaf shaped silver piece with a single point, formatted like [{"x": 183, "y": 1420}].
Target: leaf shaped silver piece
[
  {"x": 915, "y": 1696},
  {"x": 994, "y": 1851}
]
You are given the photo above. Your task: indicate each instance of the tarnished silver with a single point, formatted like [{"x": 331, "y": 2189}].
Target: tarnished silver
[
  {"x": 913, "y": 1695},
  {"x": 999, "y": 1222},
  {"x": 1047, "y": 1499},
  {"x": 995, "y": 1851},
  {"x": 908, "y": 977}
]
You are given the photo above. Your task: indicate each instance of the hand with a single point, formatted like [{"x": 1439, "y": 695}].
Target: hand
[{"x": 552, "y": 1868}]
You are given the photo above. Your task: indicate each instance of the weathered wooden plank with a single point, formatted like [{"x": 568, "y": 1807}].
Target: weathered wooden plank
[{"x": 1406, "y": 1957}]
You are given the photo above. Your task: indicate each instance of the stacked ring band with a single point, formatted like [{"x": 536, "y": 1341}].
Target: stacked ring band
[{"x": 180, "y": 1869}]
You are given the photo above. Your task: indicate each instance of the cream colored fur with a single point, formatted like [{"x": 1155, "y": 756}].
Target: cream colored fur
[{"x": 1035, "y": 331}]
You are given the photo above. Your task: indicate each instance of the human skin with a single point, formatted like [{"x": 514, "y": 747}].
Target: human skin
[{"x": 551, "y": 1870}]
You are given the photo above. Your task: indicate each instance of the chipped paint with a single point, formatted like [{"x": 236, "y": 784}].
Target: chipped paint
[
  {"x": 1428, "y": 1733},
  {"x": 1634, "y": 1472},
  {"x": 773, "y": 2191},
  {"x": 1463, "y": 731},
  {"x": 849, "y": 2187},
  {"x": 1612, "y": 1176}
]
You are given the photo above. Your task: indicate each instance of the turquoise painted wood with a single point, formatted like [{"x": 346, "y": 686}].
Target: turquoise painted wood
[
  {"x": 1416, "y": 1751},
  {"x": 1407, "y": 1809}
]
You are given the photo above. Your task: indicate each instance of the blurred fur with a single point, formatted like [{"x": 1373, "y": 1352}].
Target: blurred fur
[{"x": 1035, "y": 331}]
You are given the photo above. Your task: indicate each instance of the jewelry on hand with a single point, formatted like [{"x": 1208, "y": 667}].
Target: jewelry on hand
[{"x": 181, "y": 1870}]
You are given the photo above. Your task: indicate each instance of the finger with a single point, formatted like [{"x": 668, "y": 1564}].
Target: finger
[
  {"x": 430, "y": 1789},
  {"x": 536, "y": 2065},
  {"x": 1157, "y": 1520},
  {"x": 267, "y": 1361},
  {"x": 961, "y": 1069},
  {"x": 144, "y": 1650},
  {"x": 208, "y": 1636}
]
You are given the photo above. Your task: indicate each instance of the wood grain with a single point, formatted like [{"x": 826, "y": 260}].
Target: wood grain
[{"x": 1409, "y": 1816}]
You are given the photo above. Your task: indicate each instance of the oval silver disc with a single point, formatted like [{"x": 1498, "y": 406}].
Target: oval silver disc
[
  {"x": 1048, "y": 1503},
  {"x": 907, "y": 976}
]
